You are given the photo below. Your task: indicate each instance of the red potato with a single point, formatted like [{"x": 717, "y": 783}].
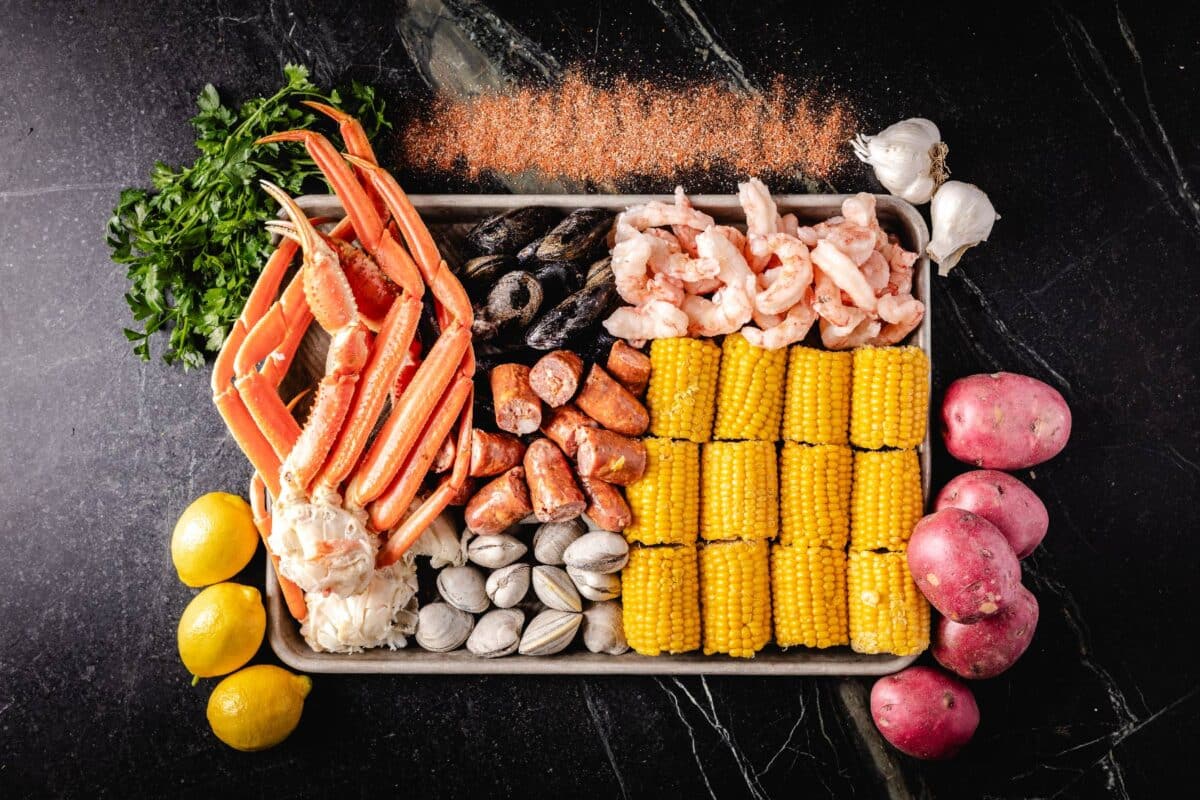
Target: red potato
[
  {"x": 1002, "y": 500},
  {"x": 990, "y": 646},
  {"x": 963, "y": 565},
  {"x": 1004, "y": 421},
  {"x": 924, "y": 713}
]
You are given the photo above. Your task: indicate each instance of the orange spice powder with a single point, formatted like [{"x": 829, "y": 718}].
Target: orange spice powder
[{"x": 581, "y": 131}]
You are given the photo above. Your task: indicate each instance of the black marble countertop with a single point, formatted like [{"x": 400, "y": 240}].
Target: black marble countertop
[{"x": 1079, "y": 120}]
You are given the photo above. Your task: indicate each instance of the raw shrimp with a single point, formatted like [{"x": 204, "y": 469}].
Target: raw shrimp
[
  {"x": 875, "y": 270},
  {"x": 657, "y": 319},
  {"x": 761, "y": 221},
  {"x": 842, "y": 270},
  {"x": 903, "y": 313},
  {"x": 794, "y": 327},
  {"x": 844, "y": 337},
  {"x": 794, "y": 278},
  {"x": 630, "y": 265},
  {"x": 685, "y": 233}
]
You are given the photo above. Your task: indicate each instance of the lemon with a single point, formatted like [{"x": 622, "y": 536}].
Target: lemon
[
  {"x": 221, "y": 629},
  {"x": 214, "y": 539},
  {"x": 257, "y": 707}
]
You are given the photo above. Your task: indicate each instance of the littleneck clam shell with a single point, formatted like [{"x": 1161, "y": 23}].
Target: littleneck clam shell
[
  {"x": 598, "y": 551},
  {"x": 553, "y": 538},
  {"x": 463, "y": 587},
  {"x": 496, "y": 551},
  {"x": 497, "y": 633},
  {"x": 595, "y": 585},
  {"x": 603, "y": 629},
  {"x": 554, "y": 588},
  {"x": 550, "y": 632},
  {"x": 508, "y": 586},
  {"x": 441, "y": 627}
]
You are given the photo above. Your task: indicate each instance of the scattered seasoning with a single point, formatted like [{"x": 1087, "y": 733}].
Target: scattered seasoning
[{"x": 582, "y": 131}]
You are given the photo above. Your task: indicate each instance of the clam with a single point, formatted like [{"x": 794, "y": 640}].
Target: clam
[
  {"x": 508, "y": 586},
  {"x": 550, "y": 632},
  {"x": 595, "y": 585},
  {"x": 604, "y": 630},
  {"x": 579, "y": 235},
  {"x": 463, "y": 588},
  {"x": 441, "y": 627},
  {"x": 511, "y": 230},
  {"x": 553, "y": 538},
  {"x": 598, "y": 551},
  {"x": 556, "y": 589},
  {"x": 495, "y": 551},
  {"x": 497, "y": 633}
]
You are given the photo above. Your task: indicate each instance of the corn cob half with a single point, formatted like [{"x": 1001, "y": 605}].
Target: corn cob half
[
  {"x": 749, "y": 391},
  {"x": 886, "y": 502},
  {"x": 889, "y": 399},
  {"x": 814, "y": 497},
  {"x": 888, "y": 614},
  {"x": 739, "y": 491},
  {"x": 682, "y": 393},
  {"x": 735, "y": 594},
  {"x": 665, "y": 501},
  {"x": 816, "y": 404},
  {"x": 808, "y": 586},
  {"x": 661, "y": 601}
]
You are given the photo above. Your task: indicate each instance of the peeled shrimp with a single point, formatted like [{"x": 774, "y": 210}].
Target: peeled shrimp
[
  {"x": 875, "y": 270},
  {"x": 684, "y": 233},
  {"x": 827, "y": 302},
  {"x": 657, "y": 319},
  {"x": 735, "y": 237},
  {"x": 790, "y": 225},
  {"x": 794, "y": 278},
  {"x": 854, "y": 240},
  {"x": 843, "y": 337},
  {"x": 794, "y": 327},
  {"x": 842, "y": 270},
  {"x": 903, "y": 313},
  {"x": 900, "y": 263},
  {"x": 630, "y": 265},
  {"x": 732, "y": 305},
  {"x": 655, "y": 214},
  {"x": 761, "y": 221}
]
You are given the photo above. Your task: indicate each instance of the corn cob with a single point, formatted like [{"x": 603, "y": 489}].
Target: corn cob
[
  {"x": 749, "y": 391},
  {"x": 814, "y": 483},
  {"x": 666, "y": 500},
  {"x": 682, "y": 393},
  {"x": 661, "y": 600},
  {"x": 816, "y": 404},
  {"x": 809, "y": 592},
  {"x": 886, "y": 501},
  {"x": 889, "y": 398},
  {"x": 887, "y": 612},
  {"x": 739, "y": 491},
  {"x": 735, "y": 594}
]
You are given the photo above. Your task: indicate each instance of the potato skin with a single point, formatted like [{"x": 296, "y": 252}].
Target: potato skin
[
  {"x": 990, "y": 646},
  {"x": 1002, "y": 500},
  {"x": 1004, "y": 421},
  {"x": 963, "y": 565},
  {"x": 924, "y": 713}
]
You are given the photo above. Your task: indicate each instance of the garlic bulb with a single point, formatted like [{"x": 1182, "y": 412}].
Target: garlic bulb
[
  {"x": 962, "y": 217},
  {"x": 909, "y": 158}
]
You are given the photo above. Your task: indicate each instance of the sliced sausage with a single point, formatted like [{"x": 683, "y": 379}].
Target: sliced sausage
[
  {"x": 517, "y": 408},
  {"x": 552, "y": 486},
  {"x": 629, "y": 366},
  {"x": 445, "y": 457},
  {"x": 465, "y": 493},
  {"x": 500, "y": 504},
  {"x": 609, "y": 456},
  {"x": 493, "y": 453},
  {"x": 561, "y": 425},
  {"x": 555, "y": 377},
  {"x": 606, "y": 505},
  {"x": 611, "y": 404}
]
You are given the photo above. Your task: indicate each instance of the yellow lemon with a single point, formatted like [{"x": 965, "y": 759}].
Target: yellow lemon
[
  {"x": 214, "y": 539},
  {"x": 257, "y": 707},
  {"x": 221, "y": 629}
]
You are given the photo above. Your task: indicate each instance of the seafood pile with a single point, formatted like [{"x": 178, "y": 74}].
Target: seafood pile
[{"x": 684, "y": 275}]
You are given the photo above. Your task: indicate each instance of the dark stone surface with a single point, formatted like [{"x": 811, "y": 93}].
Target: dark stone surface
[{"x": 1078, "y": 121}]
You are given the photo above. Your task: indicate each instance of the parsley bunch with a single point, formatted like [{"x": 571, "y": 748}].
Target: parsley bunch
[{"x": 194, "y": 247}]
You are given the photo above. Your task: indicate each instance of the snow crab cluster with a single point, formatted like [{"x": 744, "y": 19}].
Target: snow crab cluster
[{"x": 685, "y": 275}]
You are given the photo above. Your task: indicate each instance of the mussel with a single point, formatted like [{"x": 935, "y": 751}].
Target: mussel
[
  {"x": 511, "y": 304},
  {"x": 480, "y": 273},
  {"x": 573, "y": 316},
  {"x": 599, "y": 272},
  {"x": 558, "y": 279},
  {"x": 528, "y": 254},
  {"x": 578, "y": 236},
  {"x": 509, "y": 231}
]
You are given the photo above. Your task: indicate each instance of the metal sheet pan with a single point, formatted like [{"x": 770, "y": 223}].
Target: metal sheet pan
[{"x": 452, "y": 214}]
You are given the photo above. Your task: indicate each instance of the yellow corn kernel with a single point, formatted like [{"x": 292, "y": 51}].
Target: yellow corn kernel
[
  {"x": 735, "y": 594},
  {"x": 749, "y": 391},
  {"x": 739, "y": 491},
  {"x": 666, "y": 500},
  {"x": 886, "y": 501},
  {"x": 661, "y": 600},
  {"x": 889, "y": 398},
  {"x": 814, "y": 482},
  {"x": 816, "y": 404},
  {"x": 808, "y": 586},
  {"x": 682, "y": 393},
  {"x": 888, "y": 614}
]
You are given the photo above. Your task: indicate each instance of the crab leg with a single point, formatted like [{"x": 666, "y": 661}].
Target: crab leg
[{"x": 293, "y": 595}]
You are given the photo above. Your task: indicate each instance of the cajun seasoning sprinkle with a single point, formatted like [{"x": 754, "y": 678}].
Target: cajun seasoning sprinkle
[{"x": 581, "y": 131}]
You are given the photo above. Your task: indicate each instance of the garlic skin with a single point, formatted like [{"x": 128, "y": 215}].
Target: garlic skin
[
  {"x": 962, "y": 217},
  {"x": 909, "y": 158}
]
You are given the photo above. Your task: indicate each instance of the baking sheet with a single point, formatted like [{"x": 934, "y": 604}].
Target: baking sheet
[{"x": 449, "y": 216}]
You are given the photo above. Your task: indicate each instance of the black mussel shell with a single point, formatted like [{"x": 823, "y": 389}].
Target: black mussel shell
[
  {"x": 480, "y": 273},
  {"x": 527, "y": 257},
  {"x": 558, "y": 279},
  {"x": 515, "y": 299},
  {"x": 599, "y": 272},
  {"x": 595, "y": 348},
  {"x": 575, "y": 315},
  {"x": 509, "y": 231},
  {"x": 579, "y": 236}
]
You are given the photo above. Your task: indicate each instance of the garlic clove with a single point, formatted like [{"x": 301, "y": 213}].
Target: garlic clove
[
  {"x": 962, "y": 217},
  {"x": 909, "y": 158}
]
